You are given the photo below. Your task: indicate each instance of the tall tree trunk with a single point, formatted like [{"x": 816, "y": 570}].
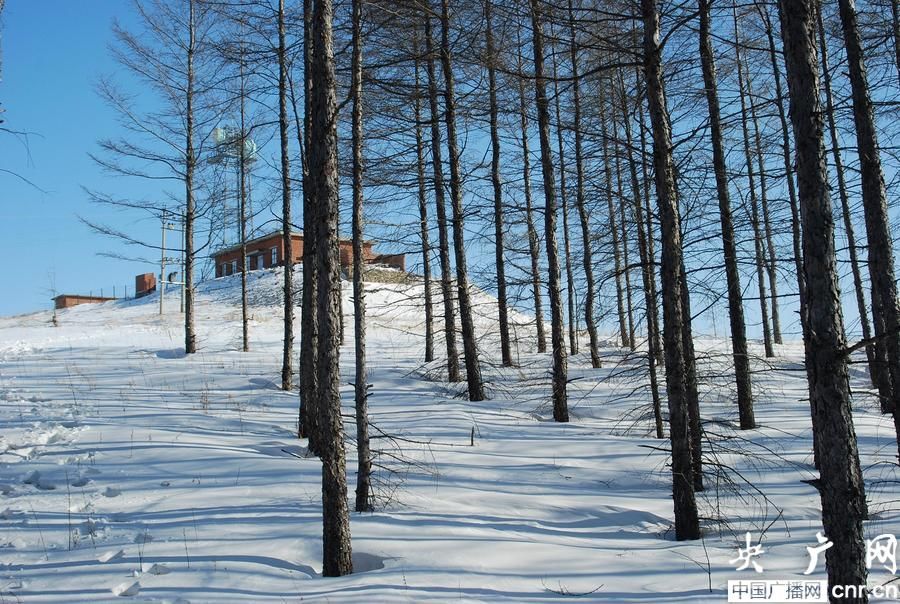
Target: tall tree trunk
[
  {"x": 309, "y": 319},
  {"x": 190, "y": 163},
  {"x": 877, "y": 368},
  {"x": 687, "y": 522},
  {"x": 287, "y": 360},
  {"x": 533, "y": 242},
  {"x": 323, "y": 173},
  {"x": 587, "y": 256},
  {"x": 361, "y": 382},
  {"x": 623, "y": 225},
  {"x": 505, "y": 350},
  {"x": 878, "y": 227},
  {"x": 646, "y": 260},
  {"x": 423, "y": 216},
  {"x": 560, "y": 403},
  {"x": 729, "y": 247},
  {"x": 652, "y": 317},
  {"x": 770, "y": 255},
  {"x": 788, "y": 159},
  {"x": 564, "y": 197},
  {"x": 895, "y": 30},
  {"x": 754, "y": 200},
  {"x": 841, "y": 486},
  {"x": 453, "y": 373},
  {"x": 242, "y": 191},
  {"x": 470, "y": 347},
  {"x": 611, "y": 214}
]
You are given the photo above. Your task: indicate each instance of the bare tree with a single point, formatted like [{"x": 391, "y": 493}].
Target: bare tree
[
  {"x": 687, "y": 522},
  {"x": 361, "y": 385},
  {"x": 729, "y": 247},
  {"x": 560, "y": 369},
  {"x": 491, "y": 59},
  {"x": 470, "y": 349},
  {"x": 287, "y": 360},
  {"x": 323, "y": 182},
  {"x": 841, "y": 485},
  {"x": 453, "y": 373},
  {"x": 878, "y": 228}
]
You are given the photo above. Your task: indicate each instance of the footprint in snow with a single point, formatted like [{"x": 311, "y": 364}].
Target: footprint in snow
[
  {"x": 35, "y": 480},
  {"x": 112, "y": 492},
  {"x": 81, "y": 481},
  {"x": 155, "y": 569},
  {"x": 110, "y": 556},
  {"x": 143, "y": 538},
  {"x": 127, "y": 589}
]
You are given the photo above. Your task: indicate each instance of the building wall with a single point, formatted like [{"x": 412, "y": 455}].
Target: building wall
[
  {"x": 70, "y": 300},
  {"x": 229, "y": 262},
  {"x": 144, "y": 284}
]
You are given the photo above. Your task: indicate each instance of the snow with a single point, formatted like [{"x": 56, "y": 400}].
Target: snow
[{"x": 131, "y": 471}]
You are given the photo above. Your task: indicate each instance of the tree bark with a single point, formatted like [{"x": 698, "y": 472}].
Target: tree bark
[
  {"x": 687, "y": 522},
  {"x": 470, "y": 347},
  {"x": 361, "y": 383},
  {"x": 877, "y": 368},
  {"x": 623, "y": 225},
  {"x": 502, "y": 304},
  {"x": 323, "y": 175},
  {"x": 587, "y": 256},
  {"x": 287, "y": 360},
  {"x": 729, "y": 247},
  {"x": 788, "y": 158},
  {"x": 564, "y": 197},
  {"x": 560, "y": 403},
  {"x": 190, "y": 161},
  {"x": 423, "y": 216},
  {"x": 611, "y": 216},
  {"x": 453, "y": 372},
  {"x": 770, "y": 255},
  {"x": 646, "y": 261},
  {"x": 841, "y": 486},
  {"x": 533, "y": 242},
  {"x": 652, "y": 314},
  {"x": 309, "y": 321},
  {"x": 878, "y": 227},
  {"x": 242, "y": 191},
  {"x": 754, "y": 201}
]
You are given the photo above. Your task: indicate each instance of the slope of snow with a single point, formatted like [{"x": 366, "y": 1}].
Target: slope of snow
[{"x": 129, "y": 471}]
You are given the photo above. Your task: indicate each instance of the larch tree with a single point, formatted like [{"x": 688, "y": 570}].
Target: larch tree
[
  {"x": 557, "y": 338},
  {"x": 687, "y": 521},
  {"x": 729, "y": 246},
  {"x": 470, "y": 346},
  {"x": 874, "y": 197},
  {"x": 840, "y": 484},
  {"x": 324, "y": 195},
  {"x": 361, "y": 385}
]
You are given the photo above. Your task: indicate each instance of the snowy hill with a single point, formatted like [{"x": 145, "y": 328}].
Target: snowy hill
[{"x": 130, "y": 471}]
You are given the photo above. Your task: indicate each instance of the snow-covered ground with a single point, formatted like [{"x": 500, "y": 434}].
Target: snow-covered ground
[{"x": 130, "y": 471}]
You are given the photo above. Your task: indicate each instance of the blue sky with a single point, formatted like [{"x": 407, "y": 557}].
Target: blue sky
[{"x": 53, "y": 53}]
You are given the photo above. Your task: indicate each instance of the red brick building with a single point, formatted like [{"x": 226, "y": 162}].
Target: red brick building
[
  {"x": 268, "y": 251},
  {"x": 144, "y": 284},
  {"x": 70, "y": 300}
]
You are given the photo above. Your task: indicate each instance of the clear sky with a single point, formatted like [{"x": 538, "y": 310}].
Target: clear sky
[{"x": 53, "y": 53}]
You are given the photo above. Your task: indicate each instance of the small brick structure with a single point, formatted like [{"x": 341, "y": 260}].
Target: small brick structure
[
  {"x": 268, "y": 251},
  {"x": 70, "y": 300},
  {"x": 144, "y": 284}
]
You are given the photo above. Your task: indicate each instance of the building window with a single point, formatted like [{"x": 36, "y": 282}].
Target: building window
[
  {"x": 234, "y": 267},
  {"x": 274, "y": 256}
]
